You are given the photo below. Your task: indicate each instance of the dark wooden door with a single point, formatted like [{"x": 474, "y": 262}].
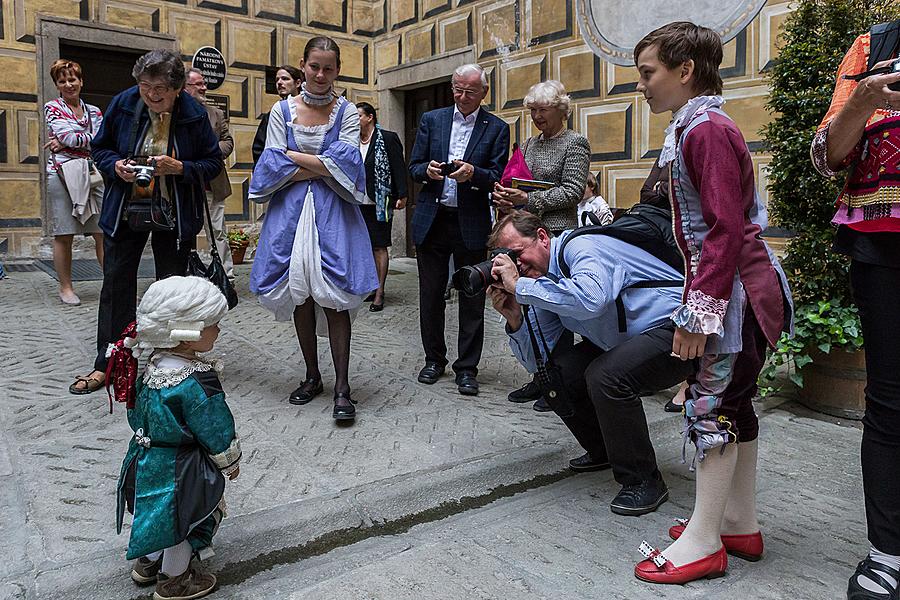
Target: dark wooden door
[
  {"x": 419, "y": 102},
  {"x": 106, "y": 70}
]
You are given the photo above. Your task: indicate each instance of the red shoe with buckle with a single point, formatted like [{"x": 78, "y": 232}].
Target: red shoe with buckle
[
  {"x": 659, "y": 569},
  {"x": 748, "y": 546}
]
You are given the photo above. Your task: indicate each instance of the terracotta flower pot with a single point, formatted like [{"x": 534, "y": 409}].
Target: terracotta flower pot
[
  {"x": 835, "y": 383},
  {"x": 237, "y": 252}
]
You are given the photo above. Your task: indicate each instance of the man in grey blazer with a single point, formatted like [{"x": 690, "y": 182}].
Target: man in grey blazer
[{"x": 219, "y": 188}]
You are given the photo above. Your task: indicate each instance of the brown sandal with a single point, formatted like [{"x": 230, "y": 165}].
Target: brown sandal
[{"x": 91, "y": 384}]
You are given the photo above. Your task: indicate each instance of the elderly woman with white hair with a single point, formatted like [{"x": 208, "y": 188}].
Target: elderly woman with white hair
[{"x": 557, "y": 155}]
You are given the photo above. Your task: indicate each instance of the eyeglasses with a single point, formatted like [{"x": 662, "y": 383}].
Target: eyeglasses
[
  {"x": 159, "y": 88},
  {"x": 464, "y": 91}
]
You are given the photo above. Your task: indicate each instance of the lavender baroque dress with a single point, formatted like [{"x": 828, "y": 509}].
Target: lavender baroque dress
[{"x": 314, "y": 241}]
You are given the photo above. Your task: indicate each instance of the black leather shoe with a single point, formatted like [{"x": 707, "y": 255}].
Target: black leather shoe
[
  {"x": 430, "y": 373},
  {"x": 467, "y": 384},
  {"x": 672, "y": 407},
  {"x": 876, "y": 572},
  {"x": 640, "y": 499},
  {"x": 343, "y": 412},
  {"x": 528, "y": 392},
  {"x": 585, "y": 463},
  {"x": 541, "y": 405},
  {"x": 308, "y": 390}
]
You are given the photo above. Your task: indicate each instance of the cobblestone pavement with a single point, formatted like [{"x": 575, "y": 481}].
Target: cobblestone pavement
[{"x": 415, "y": 455}]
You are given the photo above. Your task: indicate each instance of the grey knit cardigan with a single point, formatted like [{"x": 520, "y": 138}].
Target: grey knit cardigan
[{"x": 565, "y": 160}]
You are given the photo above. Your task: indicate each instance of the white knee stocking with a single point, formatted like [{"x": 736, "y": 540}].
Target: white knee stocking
[
  {"x": 176, "y": 559},
  {"x": 701, "y": 536},
  {"x": 740, "y": 511}
]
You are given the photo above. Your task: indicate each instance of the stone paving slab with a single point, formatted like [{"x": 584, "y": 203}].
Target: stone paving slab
[
  {"x": 413, "y": 450},
  {"x": 561, "y": 541},
  {"x": 60, "y": 453}
]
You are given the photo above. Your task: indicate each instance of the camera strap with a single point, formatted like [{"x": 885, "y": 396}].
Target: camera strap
[
  {"x": 538, "y": 356},
  {"x": 132, "y": 138}
]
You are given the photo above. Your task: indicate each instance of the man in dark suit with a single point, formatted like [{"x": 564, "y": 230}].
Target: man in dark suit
[{"x": 453, "y": 216}]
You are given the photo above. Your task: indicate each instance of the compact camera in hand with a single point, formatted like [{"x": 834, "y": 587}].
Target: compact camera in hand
[
  {"x": 144, "y": 170},
  {"x": 447, "y": 168},
  {"x": 473, "y": 280}
]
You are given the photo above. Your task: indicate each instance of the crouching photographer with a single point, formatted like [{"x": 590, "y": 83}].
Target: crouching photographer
[{"x": 618, "y": 298}]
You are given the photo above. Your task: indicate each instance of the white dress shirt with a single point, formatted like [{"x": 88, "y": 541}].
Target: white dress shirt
[
  {"x": 364, "y": 150},
  {"x": 460, "y": 133}
]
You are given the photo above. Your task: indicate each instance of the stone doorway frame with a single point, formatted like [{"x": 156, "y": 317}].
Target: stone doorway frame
[
  {"x": 49, "y": 31},
  {"x": 393, "y": 83}
]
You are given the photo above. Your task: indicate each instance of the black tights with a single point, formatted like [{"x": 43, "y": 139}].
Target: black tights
[{"x": 338, "y": 337}]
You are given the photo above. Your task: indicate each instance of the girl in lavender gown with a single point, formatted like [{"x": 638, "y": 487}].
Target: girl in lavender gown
[{"x": 314, "y": 255}]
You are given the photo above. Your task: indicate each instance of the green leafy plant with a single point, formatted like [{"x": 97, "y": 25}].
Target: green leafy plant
[
  {"x": 813, "y": 40},
  {"x": 823, "y": 326},
  {"x": 238, "y": 237}
]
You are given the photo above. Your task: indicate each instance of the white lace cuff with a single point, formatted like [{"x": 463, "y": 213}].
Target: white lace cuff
[
  {"x": 701, "y": 314},
  {"x": 228, "y": 460}
]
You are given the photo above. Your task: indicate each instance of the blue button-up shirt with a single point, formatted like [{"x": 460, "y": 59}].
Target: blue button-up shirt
[
  {"x": 460, "y": 134},
  {"x": 601, "y": 267}
]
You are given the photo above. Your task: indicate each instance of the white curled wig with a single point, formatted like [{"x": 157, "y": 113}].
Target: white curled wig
[
  {"x": 175, "y": 310},
  {"x": 549, "y": 93}
]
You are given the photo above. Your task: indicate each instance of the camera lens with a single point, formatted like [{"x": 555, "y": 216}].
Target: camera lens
[
  {"x": 473, "y": 280},
  {"x": 143, "y": 177}
]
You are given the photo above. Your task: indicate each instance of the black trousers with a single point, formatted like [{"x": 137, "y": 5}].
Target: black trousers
[
  {"x": 118, "y": 297},
  {"x": 433, "y": 256},
  {"x": 875, "y": 290},
  {"x": 605, "y": 389}
]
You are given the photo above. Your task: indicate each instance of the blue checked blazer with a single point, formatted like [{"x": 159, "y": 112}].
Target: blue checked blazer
[{"x": 487, "y": 152}]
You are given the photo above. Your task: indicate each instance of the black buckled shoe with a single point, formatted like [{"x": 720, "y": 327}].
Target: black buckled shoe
[
  {"x": 640, "y": 499},
  {"x": 541, "y": 405},
  {"x": 466, "y": 383},
  {"x": 431, "y": 372},
  {"x": 344, "y": 412},
  {"x": 671, "y": 407},
  {"x": 585, "y": 463},
  {"x": 308, "y": 390},
  {"x": 528, "y": 392},
  {"x": 876, "y": 572}
]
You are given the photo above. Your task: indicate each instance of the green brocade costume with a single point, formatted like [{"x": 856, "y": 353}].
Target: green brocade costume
[{"x": 171, "y": 478}]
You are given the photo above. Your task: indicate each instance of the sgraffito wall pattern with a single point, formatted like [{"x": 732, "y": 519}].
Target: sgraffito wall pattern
[
  {"x": 252, "y": 34},
  {"x": 520, "y": 42}
]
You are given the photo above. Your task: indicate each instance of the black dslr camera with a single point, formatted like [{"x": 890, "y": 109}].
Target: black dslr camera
[
  {"x": 893, "y": 67},
  {"x": 473, "y": 280}
]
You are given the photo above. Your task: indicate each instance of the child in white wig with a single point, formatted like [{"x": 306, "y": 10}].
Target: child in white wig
[{"x": 184, "y": 438}]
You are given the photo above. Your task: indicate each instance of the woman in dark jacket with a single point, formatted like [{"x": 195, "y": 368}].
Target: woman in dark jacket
[
  {"x": 174, "y": 133},
  {"x": 385, "y": 189}
]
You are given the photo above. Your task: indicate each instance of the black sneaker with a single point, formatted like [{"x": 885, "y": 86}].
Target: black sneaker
[
  {"x": 585, "y": 463},
  {"x": 528, "y": 392},
  {"x": 640, "y": 499}
]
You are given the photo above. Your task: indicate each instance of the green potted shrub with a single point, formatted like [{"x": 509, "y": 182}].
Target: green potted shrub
[
  {"x": 824, "y": 358},
  {"x": 238, "y": 240}
]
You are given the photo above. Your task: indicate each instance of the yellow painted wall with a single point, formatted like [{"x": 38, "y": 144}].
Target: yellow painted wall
[{"x": 520, "y": 42}]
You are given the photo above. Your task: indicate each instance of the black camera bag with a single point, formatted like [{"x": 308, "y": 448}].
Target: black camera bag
[
  {"x": 549, "y": 375},
  {"x": 215, "y": 272},
  {"x": 155, "y": 213},
  {"x": 649, "y": 228}
]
